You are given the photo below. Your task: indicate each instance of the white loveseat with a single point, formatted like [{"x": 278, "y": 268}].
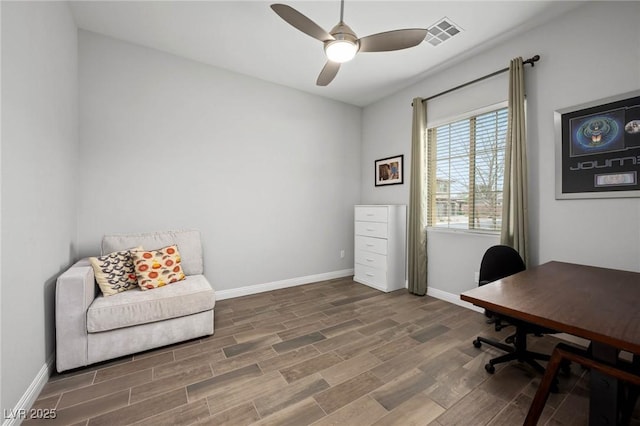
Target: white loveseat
[{"x": 91, "y": 328}]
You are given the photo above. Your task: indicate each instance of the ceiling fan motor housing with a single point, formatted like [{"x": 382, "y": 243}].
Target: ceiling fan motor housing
[{"x": 344, "y": 46}]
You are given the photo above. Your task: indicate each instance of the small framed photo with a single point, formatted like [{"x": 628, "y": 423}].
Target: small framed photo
[{"x": 389, "y": 171}]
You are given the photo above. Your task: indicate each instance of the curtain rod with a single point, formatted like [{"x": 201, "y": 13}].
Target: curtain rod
[{"x": 530, "y": 61}]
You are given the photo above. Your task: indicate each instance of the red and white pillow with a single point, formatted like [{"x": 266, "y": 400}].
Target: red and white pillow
[{"x": 157, "y": 268}]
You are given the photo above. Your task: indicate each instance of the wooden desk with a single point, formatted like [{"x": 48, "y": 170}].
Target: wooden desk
[{"x": 597, "y": 304}]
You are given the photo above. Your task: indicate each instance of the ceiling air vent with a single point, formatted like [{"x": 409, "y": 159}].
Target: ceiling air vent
[{"x": 441, "y": 31}]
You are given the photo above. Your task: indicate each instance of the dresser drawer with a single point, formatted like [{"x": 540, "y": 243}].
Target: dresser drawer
[
  {"x": 368, "y": 275},
  {"x": 374, "y": 260},
  {"x": 372, "y": 214},
  {"x": 371, "y": 229},
  {"x": 375, "y": 245}
]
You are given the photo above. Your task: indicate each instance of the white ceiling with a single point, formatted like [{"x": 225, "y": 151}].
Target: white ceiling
[{"x": 249, "y": 38}]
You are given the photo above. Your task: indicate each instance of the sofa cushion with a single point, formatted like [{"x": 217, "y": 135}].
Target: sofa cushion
[
  {"x": 135, "y": 307},
  {"x": 114, "y": 272},
  {"x": 188, "y": 243},
  {"x": 157, "y": 268}
]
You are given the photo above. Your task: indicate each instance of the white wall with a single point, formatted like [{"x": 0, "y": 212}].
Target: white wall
[
  {"x": 38, "y": 169},
  {"x": 580, "y": 62},
  {"x": 268, "y": 174}
]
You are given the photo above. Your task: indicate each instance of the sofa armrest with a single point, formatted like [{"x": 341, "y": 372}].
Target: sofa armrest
[{"x": 75, "y": 291}]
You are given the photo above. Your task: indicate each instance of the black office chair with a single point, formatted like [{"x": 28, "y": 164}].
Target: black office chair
[{"x": 499, "y": 262}]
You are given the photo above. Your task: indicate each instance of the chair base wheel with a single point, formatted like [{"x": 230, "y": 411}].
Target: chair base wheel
[
  {"x": 477, "y": 343},
  {"x": 490, "y": 368}
]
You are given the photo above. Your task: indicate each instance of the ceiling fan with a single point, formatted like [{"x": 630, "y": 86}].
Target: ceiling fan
[{"x": 341, "y": 44}]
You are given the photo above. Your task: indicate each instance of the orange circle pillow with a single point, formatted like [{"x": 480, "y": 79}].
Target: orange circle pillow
[{"x": 157, "y": 268}]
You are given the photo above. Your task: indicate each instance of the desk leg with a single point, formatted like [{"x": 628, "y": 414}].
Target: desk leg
[{"x": 603, "y": 401}]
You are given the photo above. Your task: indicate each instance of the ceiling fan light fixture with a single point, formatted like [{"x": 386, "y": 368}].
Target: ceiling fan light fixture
[{"x": 340, "y": 51}]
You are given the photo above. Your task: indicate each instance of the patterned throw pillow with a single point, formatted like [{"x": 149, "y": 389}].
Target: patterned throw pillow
[
  {"x": 156, "y": 268},
  {"x": 114, "y": 272}
]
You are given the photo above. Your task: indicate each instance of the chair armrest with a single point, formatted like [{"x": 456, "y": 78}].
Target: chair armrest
[{"x": 75, "y": 291}]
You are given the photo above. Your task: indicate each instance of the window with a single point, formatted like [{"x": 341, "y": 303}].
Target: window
[{"x": 466, "y": 168}]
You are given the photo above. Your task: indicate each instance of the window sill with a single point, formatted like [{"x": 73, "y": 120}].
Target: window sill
[{"x": 479, "y": 233}]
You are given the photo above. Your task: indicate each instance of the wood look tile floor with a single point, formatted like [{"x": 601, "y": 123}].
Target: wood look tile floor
[{"x": 329, "y": 353}]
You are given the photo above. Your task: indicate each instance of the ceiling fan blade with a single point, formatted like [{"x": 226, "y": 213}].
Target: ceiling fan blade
[
  {"x": 301, "y": 22},
  {"x": 392, "y": 40},
  {"x": 328, "y": 73}
]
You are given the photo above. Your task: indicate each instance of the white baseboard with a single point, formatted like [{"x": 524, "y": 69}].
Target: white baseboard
[
  {"x": 455, "y": 299},
  {"x": 584, "y": 343},
  {"x": 452, "y": 298},
  {"x": 276, "y": 285},
  {"x": 16, "y": 415}
]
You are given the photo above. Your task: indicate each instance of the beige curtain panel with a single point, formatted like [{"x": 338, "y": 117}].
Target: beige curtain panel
[
  {"x": 514, "y": 203},
  {"x": 417, "y": 238}
]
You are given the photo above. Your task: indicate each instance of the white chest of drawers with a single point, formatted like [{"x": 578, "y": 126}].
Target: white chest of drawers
[{"x": 380, "y": 245}]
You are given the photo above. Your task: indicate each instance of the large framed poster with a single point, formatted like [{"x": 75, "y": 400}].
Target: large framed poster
[{"x": 598, "y": 148}]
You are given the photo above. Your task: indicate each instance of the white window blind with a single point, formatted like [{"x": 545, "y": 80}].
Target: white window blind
[
  {"x": 468, "y": 100},
  {"x": 466, "y": 168}
]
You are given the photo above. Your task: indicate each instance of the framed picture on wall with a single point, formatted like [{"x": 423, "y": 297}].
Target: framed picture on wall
[
  {"x": 389, "y": 171},
  {"x": 598, "y": 148}
]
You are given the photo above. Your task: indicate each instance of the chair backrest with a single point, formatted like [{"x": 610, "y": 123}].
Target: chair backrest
[{"x": 499, "y": 262}]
